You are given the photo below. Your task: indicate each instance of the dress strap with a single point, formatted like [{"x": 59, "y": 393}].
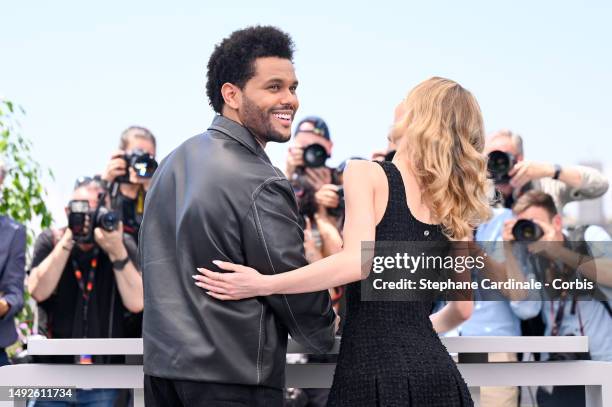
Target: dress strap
[{"x": 396, "y": 203}]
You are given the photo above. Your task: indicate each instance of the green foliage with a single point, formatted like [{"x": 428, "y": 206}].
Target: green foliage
[{"x": 23, "y": 194}]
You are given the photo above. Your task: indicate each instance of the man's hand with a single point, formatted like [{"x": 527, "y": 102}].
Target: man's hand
[
  {"x": 317, "y": 177},
  {"x": 327, "y": 196},
  {"x": 295, "y": 158},
  {"x": 507, "y": 232},
  {"x": 311, "y": 251},
  {"x": 63, "y": 238},
  {"x": 116, "y": 167},
  {"x": 331, "y": 238},
  {"x": 525, "y": 171},
  {"x": 111, "y": 242},
  {"x": 548, "y": 243},
  {"x": 4, "y": 307}
]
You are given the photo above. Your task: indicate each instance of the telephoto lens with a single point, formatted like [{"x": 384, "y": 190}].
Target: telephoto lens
[
  {"x": 315, "y": 156},
  {"x": 525, "y": 230},
  {"x": 499, "y": 165}
]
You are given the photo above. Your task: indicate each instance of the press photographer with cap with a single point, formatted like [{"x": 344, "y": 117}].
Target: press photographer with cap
[
  {"x": 321, "y": 205},
  {"x": 317, "y": 187}
]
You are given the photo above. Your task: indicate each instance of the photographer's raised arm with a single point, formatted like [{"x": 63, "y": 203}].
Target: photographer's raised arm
[
  {"x": 576, "y": 183},
  {"x": 49, "y": 262}
]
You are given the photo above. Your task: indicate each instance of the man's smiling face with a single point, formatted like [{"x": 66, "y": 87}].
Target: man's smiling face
[{"x": 269, "y": 100}]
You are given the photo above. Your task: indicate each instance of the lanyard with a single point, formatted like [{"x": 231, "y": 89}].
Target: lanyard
[
  {"x": 558, "y": 318},
  {"x": 86, "y": 286}
]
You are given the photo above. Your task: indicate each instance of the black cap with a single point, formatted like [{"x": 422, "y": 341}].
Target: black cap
[{"x": 319, "y": 126}]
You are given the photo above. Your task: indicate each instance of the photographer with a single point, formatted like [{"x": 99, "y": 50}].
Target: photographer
[
  {"x": 513, "y": 175},
  {"x": 85, "y": 279},
  {"x": 565, "y": 255},
  {"x": 317, "y": 187},
  {"x": 321, "y": 205},
  {"x": 128, "y": 176}
]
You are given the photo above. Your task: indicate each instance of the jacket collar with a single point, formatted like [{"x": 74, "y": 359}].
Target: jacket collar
[{"x": 239, "y": 133}]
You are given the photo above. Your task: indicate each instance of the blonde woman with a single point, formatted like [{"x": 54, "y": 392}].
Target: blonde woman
[{"x": 434, "y": 189}]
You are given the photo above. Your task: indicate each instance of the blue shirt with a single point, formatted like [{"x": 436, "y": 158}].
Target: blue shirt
[
  {"x": 596, "y": 321},
  {"x": 497, "y": 318}
]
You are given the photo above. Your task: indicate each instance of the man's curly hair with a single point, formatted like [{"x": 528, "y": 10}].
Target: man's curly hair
[{"x": 233, "y": 60}]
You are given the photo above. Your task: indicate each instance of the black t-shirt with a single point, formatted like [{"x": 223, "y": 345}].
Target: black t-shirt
[
  {"x": 63, "y": 311},
  {"x": 130, "y": 212}
]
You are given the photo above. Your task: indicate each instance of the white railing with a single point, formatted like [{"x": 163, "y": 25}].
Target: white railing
[{"x": 596, "y": 376}]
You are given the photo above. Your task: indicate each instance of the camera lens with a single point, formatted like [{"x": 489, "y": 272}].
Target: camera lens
[
  {"x": 499, "y": 165},
  {"x": 107, "y": 220},
  {"x": 144, "y": 165},
  {"x": 315, "y": 155},
  {"x": 526, "y": 230}
]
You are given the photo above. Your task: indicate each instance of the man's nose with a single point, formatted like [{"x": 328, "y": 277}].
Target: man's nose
[{"x": 289, "y": 98}]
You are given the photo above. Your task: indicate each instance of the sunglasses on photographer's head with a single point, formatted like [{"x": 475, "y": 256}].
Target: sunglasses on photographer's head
[{"x": 86, "y": 180}]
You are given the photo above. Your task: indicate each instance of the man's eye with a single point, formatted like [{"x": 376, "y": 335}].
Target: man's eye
[
  {"x": 274, "y": 87},
  {"x": 293, "y": 89}
]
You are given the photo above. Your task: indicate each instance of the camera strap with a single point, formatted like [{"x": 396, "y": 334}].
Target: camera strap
[{"x": 140, "y": 198}]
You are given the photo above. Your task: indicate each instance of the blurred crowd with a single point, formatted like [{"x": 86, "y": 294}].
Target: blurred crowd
[{"x": 86, "y": 278}]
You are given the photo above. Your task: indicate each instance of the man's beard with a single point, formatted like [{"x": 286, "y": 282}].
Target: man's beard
[{"x": 259, "y": 123}]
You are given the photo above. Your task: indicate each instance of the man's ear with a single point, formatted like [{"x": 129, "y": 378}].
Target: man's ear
[
  {"x": 331, "y": 145},
  {"x": 556, "y": 220},
  {"x": 232, "y": 95}
]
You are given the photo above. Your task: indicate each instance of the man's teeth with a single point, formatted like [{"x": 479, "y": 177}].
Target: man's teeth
[{"x": 282, "y": 116}]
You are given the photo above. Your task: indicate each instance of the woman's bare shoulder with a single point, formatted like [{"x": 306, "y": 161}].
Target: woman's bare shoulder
[{"x": 363, "y": 171}]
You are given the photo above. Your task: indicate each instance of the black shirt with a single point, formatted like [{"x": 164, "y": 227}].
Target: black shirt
[
  {"x": 130, "y": 212},
  {"x": 64, "y": 308}
]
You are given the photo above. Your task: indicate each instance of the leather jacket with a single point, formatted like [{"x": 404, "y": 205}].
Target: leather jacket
[{"x": 217, "y": 196}]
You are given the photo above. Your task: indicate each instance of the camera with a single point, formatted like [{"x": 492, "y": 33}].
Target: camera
[
  {"x": 142, "y": 162},
  {"x": 315, "y": 156},
  {"x": 338, "y": 210},
  {"x": 525, "y": 230},
  {"x": 82, "y": 220},
  {"x": 499, "y": 165}
]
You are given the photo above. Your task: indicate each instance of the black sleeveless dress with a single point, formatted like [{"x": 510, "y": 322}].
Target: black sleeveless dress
[{"x": 390, "y": 354}]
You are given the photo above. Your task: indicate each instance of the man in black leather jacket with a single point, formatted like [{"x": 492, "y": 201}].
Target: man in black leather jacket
[{"x": 217, "y": 196}]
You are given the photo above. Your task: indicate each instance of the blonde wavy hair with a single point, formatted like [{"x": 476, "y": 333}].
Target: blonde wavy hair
[{"x": 442, "y": 136}]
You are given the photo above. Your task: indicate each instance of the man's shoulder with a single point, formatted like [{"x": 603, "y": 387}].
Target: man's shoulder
[{"x": 8, "y": 223}]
